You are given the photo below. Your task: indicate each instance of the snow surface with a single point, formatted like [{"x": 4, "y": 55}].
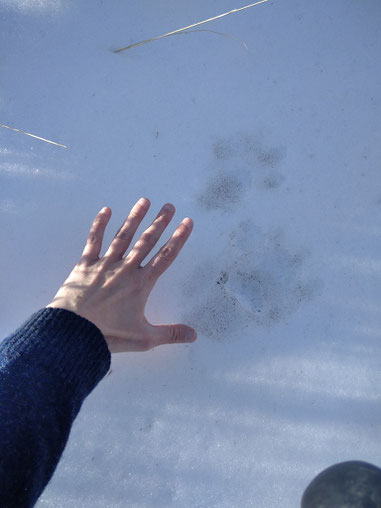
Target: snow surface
[{"x": 275, "y": 153}]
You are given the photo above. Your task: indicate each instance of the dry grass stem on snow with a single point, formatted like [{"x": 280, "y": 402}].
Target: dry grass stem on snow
[
  {"x": 190, "y": 26},
  {"x": 32, "y": 135}
]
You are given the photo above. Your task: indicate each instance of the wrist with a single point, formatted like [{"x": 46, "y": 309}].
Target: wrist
[{"x": 72, "y": 308}]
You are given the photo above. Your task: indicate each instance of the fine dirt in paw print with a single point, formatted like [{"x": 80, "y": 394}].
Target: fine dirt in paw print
[
  {"x": 255, "y": 152},
  {"x": 273, "y": 180},
  {"x": 225, "y": 149},
  {"x": 258, "y": 281},
  {"x": 223, "y": 191},
  {"x": 239, "y": 163},
  {"x": 215, "y": 316}
]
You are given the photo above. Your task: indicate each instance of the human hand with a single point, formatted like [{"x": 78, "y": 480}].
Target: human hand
[{"x": 112, "y": 291}]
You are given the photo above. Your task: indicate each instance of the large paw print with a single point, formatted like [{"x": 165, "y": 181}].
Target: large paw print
[
  {"x": 256, "y": 281},
  {"x": 239, "y": 164}
]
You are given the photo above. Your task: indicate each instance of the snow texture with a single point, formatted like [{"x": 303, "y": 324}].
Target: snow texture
[{"x": 275, "y": 153}]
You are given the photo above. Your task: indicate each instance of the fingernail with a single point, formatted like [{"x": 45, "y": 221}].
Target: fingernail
[
  {"x": 144, "y": 202},
  {"x": 168, "y": 207},
  {"x": 187, "y": 222},
  {"x": 190, "y": 335}
]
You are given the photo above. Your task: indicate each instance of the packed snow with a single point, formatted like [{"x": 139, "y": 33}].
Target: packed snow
[{"x": 274, "y": 151}]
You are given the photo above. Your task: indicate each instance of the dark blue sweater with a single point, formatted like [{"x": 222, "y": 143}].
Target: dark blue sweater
[{"x": 48, "y": 366}]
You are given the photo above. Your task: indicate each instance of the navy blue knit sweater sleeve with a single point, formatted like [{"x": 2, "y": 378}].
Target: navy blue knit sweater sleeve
[{"x": 48, "y": 366}]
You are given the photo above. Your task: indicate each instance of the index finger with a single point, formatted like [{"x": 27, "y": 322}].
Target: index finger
[{"x": 169, "y": 252}]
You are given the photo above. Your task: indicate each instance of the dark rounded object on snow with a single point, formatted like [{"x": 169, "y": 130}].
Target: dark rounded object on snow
[{"x": 352, "y": 484}]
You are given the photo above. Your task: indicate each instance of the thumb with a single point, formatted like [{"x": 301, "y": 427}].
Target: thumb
[{"x": 173, "y": 334}]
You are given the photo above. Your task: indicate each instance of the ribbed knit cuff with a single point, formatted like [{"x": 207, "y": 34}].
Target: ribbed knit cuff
[{"x": 65, "y": 344}]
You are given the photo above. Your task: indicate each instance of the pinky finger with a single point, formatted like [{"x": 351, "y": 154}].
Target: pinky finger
[{"x": 94, "y": 240}]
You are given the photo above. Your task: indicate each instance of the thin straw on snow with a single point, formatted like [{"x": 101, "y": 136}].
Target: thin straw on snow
[
  {"x": 190, "y": 26},
  {"x": 32, "y": 135}
]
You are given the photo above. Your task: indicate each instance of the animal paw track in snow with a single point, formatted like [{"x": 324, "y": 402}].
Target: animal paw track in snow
[
  {"x": 256, "y": 281},
  {"x": 239, "y": 163}
]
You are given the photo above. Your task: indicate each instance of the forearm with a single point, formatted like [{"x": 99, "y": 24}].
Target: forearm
[{"x": 47, "y": 368}]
